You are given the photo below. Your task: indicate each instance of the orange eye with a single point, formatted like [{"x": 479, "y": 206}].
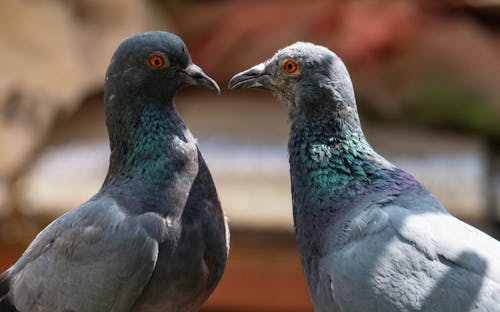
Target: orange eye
[
  {"x": 156, "y": 61},
  {"x": 290, "y": 66}
]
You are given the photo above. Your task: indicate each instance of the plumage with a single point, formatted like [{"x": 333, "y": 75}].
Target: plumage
[
  {"x": 154, "y": 237},
  {"x": 371, "y": 237}
]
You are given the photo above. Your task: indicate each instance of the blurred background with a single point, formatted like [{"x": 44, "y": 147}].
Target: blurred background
[{"x": 426, "y": 75}]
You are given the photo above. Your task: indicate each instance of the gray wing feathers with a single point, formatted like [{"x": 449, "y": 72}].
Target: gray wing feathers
[
  {"x": 90, "y": 259},
  {"x": 398, "y": 259}
]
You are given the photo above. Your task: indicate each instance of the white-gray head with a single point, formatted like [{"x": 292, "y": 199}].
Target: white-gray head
[{"x": 309, "y": 78}]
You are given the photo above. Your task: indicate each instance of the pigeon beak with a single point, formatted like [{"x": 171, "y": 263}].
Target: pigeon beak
[
  {"x": 255, "y": 77},
  {"x": 197, "y": 77}
]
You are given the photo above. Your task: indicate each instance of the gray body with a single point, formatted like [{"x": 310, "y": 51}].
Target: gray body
[
  {"x": 154, "y": 237},
  {"x": 98, "y": 257},
  {"x": 371, "y": 238}
]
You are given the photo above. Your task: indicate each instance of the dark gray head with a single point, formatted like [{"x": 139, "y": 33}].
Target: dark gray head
[
  {"x": 308, "y": 78},
  {"x": 153, "y": 64},
  {"x": 144, "y": 74}
]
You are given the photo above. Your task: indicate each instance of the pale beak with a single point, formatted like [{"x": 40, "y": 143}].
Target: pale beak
[
  {"x": 255, "y": 77},
  {"x": 197, "y": 77}
]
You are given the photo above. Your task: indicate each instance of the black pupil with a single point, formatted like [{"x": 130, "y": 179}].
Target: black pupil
[
  {"x": 290, "y": 66},
  {"x": 157, "y": 62}
]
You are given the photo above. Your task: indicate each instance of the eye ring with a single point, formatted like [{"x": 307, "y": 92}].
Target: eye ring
[
  {"x": 290, "y": 66},
  {"x": 156, "y": 61}
]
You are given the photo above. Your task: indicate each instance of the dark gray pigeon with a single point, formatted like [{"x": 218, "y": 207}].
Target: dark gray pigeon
[
  {"x": 370, "y": 236},
  {"x": 154, "y": 237}
]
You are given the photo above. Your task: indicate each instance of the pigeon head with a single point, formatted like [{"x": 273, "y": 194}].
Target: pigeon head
[
  {"x": 151, "y": 65},
  {"x": 143, "y": 76},
  {"x": 309, "y": 78}
]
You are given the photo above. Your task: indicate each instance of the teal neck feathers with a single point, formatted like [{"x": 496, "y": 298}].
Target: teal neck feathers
[
  {"x": 149, "y": 149},
  {"x": 338, "y": 162},
  {"x": 331, "y": 163}
]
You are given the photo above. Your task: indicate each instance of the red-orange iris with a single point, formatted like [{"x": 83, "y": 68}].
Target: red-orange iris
[
  {"x": 156, "y": 61},
  {"x": 290, "y": 66}
]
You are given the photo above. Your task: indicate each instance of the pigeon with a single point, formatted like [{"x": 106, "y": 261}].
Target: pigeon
[
  {"x": 154, "y": 237},
  {"x": 371, "y": 237}
]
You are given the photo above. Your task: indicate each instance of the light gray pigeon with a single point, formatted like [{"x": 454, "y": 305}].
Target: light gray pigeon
[
  {"x": 370, "y": 236},
  {"x": 154, "y": 237}
]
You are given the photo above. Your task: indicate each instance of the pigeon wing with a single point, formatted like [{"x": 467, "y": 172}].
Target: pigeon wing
[
  {"x": 456, "y": 258},
  {"x": 94, "y": 258},
  {"x": 395, "y": 258}
]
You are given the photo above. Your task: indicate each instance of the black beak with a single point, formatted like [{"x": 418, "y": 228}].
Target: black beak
[
  {"x": 255, "y": 77},
  {"x": 197, "y": 77}
]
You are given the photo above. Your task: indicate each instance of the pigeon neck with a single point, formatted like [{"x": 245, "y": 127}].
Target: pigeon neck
[
  {"x": 330, "y": 164},
  {"x": 149, "y": 147}
]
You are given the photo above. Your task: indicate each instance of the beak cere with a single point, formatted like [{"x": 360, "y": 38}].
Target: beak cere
[
  {"x": 197, "y": 77},
  {"x": 255, "y": 77}
]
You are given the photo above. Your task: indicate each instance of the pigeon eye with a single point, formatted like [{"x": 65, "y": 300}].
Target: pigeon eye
[
  {"x": 290, "y": 66},
  {"x": 156, "y": 61}
]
